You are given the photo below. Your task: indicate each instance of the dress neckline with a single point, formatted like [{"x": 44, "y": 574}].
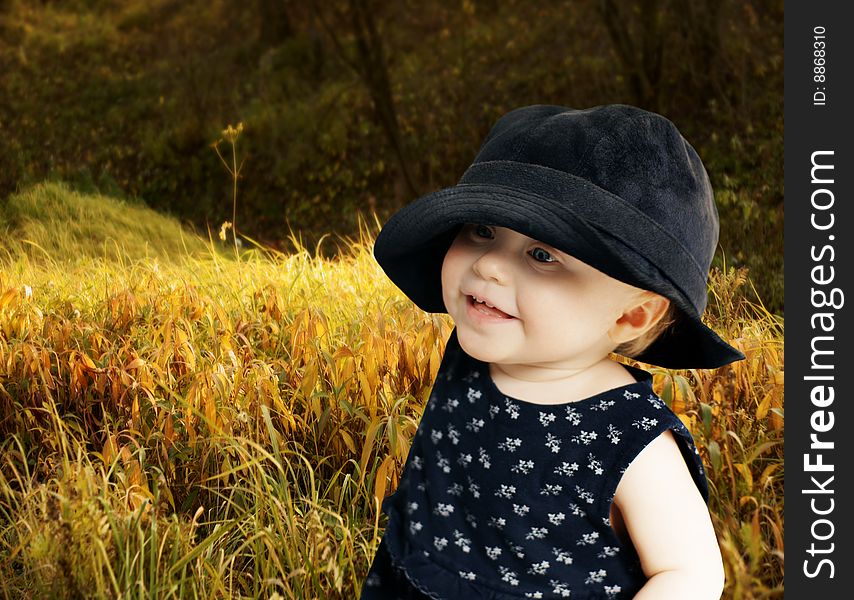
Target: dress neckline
[{"x": 642, "y": 383}]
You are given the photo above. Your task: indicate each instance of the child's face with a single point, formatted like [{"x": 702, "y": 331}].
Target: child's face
[{"x": 554, "y": 309}]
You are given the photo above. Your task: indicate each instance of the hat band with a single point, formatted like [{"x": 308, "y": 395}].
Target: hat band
[{"x": 609, "y": 213}]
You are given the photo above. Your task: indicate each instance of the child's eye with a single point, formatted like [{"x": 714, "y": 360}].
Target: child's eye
[
  {"x": 482, "y": 231},
  {"x": 542, "y": 256}
]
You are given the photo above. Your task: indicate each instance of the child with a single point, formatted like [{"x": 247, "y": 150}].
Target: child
[{"x": 541, "y": 467}]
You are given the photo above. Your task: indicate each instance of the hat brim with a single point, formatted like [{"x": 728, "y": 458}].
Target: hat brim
[{"x": 412, "y": 245}]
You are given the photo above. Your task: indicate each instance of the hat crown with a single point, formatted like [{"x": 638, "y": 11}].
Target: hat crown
[
  {"x": 634, "y": 154},
  {"x": 616, "y": 186}
]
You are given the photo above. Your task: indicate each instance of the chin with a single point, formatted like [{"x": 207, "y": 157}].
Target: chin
[{"x": 478, "y": 349}]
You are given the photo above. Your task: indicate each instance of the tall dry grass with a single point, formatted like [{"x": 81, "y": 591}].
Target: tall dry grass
[{"x": 213, "y": 428}]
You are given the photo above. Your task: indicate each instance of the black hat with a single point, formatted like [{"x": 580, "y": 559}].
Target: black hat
[{"x": 615, "y": 186}]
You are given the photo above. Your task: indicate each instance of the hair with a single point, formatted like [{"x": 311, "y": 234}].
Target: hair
[{"x": 634, "y": 347}]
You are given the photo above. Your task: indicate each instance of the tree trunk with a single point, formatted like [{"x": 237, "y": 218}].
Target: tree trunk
[
  {"x": 275, "y": 22},
  {"x": 374, "y": 72},
  {"x": 641, "y": 59}
]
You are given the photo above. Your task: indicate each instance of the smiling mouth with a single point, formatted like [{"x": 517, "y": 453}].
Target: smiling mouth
[{"x": 485, "y": 309}]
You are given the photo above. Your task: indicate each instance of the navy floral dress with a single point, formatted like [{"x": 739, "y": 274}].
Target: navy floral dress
[{"x": 506, "y": 499}]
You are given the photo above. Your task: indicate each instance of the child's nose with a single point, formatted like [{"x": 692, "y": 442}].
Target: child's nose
[{"x": 493, "y": 264}]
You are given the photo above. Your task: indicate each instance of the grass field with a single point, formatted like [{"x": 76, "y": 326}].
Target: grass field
[{"x": 180, "y": 422}]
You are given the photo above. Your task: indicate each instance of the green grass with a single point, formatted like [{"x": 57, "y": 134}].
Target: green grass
[
  {"x": 52, "y": 220},
  {"x": 200, "y": 425}
]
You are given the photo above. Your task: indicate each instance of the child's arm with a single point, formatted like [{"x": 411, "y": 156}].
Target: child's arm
[{"x": 669, "y": 525}]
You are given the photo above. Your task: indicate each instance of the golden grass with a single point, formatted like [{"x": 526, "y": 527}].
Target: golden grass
[{"x": 208, "y": 427}]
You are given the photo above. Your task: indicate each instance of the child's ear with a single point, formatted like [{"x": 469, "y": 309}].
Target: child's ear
[{"x": 645, "y": 310}]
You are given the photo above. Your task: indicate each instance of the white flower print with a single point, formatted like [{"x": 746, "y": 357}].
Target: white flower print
[
  {"x": 594, "y": 464},
  {"x": 523, "y": 466},
  {"x": 493, "y": 552},
  {"x": 471, "y": 376},
  {"x": 521, "y": 509},
  {"x": 596, "y": 576},
  {"x": 614, "y": 434},
  {"x": 510, "y": 444},
  {"x": 556, "y": 518},
  {"x": 552, "y": 442},
  {"x": 443, "y": 463},
  {"x": 606, "y": 521},
  {"x": 468, "y": 575},
  {"x": 645, "y": 423},
  {"x": 471, "y": 519},
  {"x": 453, "y": 434},
  {"x": 539, "y": 568},
  {"x": 443, "y": 509},
  {"x": 629, "y": 395},
  {"x": 415, "y": 527},
  {"x": 656, "y": 402},
  {"x": 573, "y": 415},
  {"x": 585, "y": 437},
  {"x": 464, "y": 460},
  {"x": 508, "y": 576},
  {"x": 546, "y": 418},
  {"x": 411, "y": 507},
  {"x": 435, "y": 436},
  {"x": 511, "y": 408},
  {"x": 562, "y": 556},
  {"x": 462, "y": 541},
  {"x": 455, "y": 490},
  {"x": 473, "y": 395},
  {"x": 518, "y": 550},
  {"x": 417, "y": 462},
  {"x": 440, "y": 542},
  {"x": 497, "y": 522},
  {"x": 505, "y": 491},
  {"x": 588, "y": 539},
  {"x": 530, "y": 594},
  {"x": 576, "y": 510},
  {"x": 603, "y": 405},
  {"x": 474, "y": 425},
  {"x": 474, "y": 488},
  {"x": 559, "y": 587},
  {"x": 484, "y": 458},
  {"x": 608, "y": 552},
  {"x": 584, "y": 494},
  {"x": 613, "y": 590},
  {"x": 493, "y": 410},
  {"x": 373, "y": 580},
  {"x": 566, "y": 469},
  {"x": 551, "y": 489},
  {"x": 536, "y": 533},
  {"x": 451, "y": 404}
]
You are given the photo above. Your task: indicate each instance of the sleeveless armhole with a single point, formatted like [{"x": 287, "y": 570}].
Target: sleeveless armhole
[{"x": 685, "y": 442}]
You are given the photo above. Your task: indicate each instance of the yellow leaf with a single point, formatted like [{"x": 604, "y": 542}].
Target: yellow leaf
[
  {"x": 87, "y": 361},
  {"x": 109, "y": 452},
  {"x": 136, "y": 363},
  {"x": 763, "y": 407},
  {"x": 381, "y": 479},
  {"x": 309, "y": 380},
  {"x": 7, "y": 297},
  {"x": 745, "y": 474},
  {"x": 435, "y": 361},
  {"x": 210, "y": 411},
  {"x": 134, "y": 412},
  {"x": 348, "y": 440},
  {"x": 768, "y": 472}
]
